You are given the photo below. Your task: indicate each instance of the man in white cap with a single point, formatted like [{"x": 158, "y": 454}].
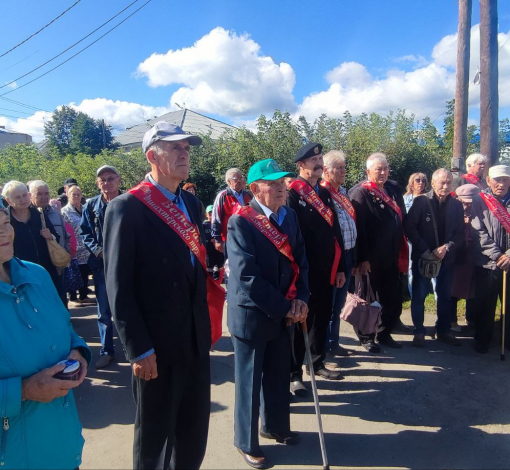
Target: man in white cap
[
  {"x": 156, "y": 282},
  {"x": 492, "y": 222},
  {"x": 92, "y": 222}
]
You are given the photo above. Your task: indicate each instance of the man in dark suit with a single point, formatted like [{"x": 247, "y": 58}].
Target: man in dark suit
[
  {"x": 157, "y": 291},
  {"x": 324, "y": 244},
  {"x": 382, "y": 249},
  {"x": 268, "y": 289}
]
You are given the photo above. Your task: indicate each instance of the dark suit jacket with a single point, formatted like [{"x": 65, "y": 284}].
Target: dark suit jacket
[
  {"x": 419, "y": 227},
  {"x": 157, "y": 297},
  {"x": 260, "y": 277},
  {"x": 379, "y": 228},
  {"x": 319, "y": 236}
]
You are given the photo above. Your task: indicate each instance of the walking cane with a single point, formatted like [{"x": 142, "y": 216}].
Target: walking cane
[
  {"x": 325, "y": 464},
  {"x": 503, "y": 317}
]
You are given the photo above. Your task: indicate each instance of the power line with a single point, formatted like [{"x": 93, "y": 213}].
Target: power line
[
  {"x": 44, "y": 27},
  {"x": 23, "y": 105},
  {"x": 19, "y": 62},
  {"x": 21, "y": 117},
  {"x": 15, "y": 111},
  {"x": 79, "y": 52},
  {"x": 70, "y": 47}
]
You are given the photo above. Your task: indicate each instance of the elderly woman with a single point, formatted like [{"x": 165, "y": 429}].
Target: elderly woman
[
  {"x": 30, "y": 241},
  {"x": 417, "y": 185},
  {"x": 72, "y": 215},
  {"x": 40, "y": 425},
  {"x": 191, "y": 188}
]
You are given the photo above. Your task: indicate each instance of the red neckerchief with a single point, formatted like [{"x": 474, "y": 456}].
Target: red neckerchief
[
  {"x": 312, "y": 198},
  {"x": 278, "y": 239},
  {"x": 172, "y": 216},
  {"x": 472, "y": 179},
  {"x": 341, "y": 199},
  {"x": 403, "y": 254},
  {"x": 497, "y": 209}
]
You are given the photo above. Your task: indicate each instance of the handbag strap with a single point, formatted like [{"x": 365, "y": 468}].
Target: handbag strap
[
  {"x": 358, "y": 281},
  {"x": 43, "y": 221},
  {"x": 433, "y": 220}
]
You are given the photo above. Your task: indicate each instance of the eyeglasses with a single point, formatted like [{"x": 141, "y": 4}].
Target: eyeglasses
[
  {"x": 420, "y": 180},
  {"x": 111, "y": 179},
  {"x": 241, "y": 178}
]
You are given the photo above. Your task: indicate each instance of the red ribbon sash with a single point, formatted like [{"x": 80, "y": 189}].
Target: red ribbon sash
[
  {"x": 472, "y": 179},
  {"x": 342, "y": 200},
  {"x": 498, "y": 210},
  {"x": 169, "y": 213},
  {"x": 278, "y": 239},
  {"x": 312, "y": 198},
  {"x": 403, "y": 254}
]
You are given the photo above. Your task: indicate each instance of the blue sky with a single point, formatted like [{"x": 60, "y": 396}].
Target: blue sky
[{"x": 235, "y": 60}]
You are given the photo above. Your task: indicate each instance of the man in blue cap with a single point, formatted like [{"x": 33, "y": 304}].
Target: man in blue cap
[{"x": 268, "y": 290}]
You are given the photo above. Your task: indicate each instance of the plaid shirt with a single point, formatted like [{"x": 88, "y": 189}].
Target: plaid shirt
[{"x": 347, "y": 225}]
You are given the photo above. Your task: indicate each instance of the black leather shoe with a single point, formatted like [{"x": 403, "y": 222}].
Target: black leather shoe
[
  {"x": 339, "y": 351},
  {"x": 448, "y": 338},
  {"x": 298, "y": 388},
  {"x": 328, "y": 374},
  {"x": 290, "y": 439},
  {"x": 370, "y": 346},
  {"x": 389, "y": 342},
  {"x": 253, "y": 461},
  {"x": 401, "y": 328},
  {"x": 480, "y": 348}
]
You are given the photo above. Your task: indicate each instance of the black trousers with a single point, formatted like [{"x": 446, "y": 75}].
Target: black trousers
[
  {"x": 387, "y": 286},
  {"x": 83, "y": 290},
  {"x": 172, "y": 414},
  {"x": 489, "y": 285},
  {"x": 319, "y": 315}
]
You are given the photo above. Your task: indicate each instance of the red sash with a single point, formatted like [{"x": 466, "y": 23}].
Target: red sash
[
  {"x": 340, "y": 199},
  {"x": 311, "y": 197},
  {"x": 230, "y": 206},
  {"x": 169, "y": 213},
  {"x": 278, "y": 239},
  {"x": 403, "y": 254},
  {"x": 472, "y": 179},
  {"x": 498, "y": 210}
]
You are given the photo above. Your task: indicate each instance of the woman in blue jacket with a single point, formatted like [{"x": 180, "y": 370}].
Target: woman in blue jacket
[{"x": 39, "y": 425}]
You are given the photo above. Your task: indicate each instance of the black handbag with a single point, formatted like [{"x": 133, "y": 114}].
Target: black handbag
[{"x": 429, "y": 264}]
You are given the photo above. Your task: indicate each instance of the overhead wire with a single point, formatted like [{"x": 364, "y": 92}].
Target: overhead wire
[
  {"x": 23, "y": 105},
  {"x": 79, "y": 52},
  {"x": 44, "y": 27},
  {"x": 70, "y": 47}
]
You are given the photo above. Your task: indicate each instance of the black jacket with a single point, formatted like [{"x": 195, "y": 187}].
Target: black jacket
[
  {"x": 157, "y": 297},
  {"x": 380, "y": 231},
  {"x": 419, "y": 226}
]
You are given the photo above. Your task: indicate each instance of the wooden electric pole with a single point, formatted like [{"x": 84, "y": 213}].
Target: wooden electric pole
[
  {"x": 489, "y": 101},
  {"x": 462, "y": 87}
]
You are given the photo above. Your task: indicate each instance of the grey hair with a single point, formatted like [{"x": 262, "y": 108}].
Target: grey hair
[
  {"x": 74, "y": 187},
  {"x": 475, "y": 158},
  {"x": 37, "y": 184},
  {"x": 440, "y": 171},
  {"x": 332, "y": 157},
  {"x": 12, "y": 186},
  {"x": 230, "y": 173},
  {"x": 376, "y": 157}
]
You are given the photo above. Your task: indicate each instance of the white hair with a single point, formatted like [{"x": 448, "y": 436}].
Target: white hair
[
  {"x": 376, "y": 157},
  {"x": 33, "y": 185},
  {"x": 12, "y": 186},
  {"x": 332, "y": 157},
  {"x": 475, "y": 158},
  {"x": 441, "y": 171},
  {"x": 231, "y": 173}
]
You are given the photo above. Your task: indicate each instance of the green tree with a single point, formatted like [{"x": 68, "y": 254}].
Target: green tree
[{"x": 58, "y": 130}]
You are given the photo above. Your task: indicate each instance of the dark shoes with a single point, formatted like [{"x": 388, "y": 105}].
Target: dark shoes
[
  {"x": 448, "y": 338},
  {"x": 290, "y": 439},
  {"x": 297, "y": 387},
  {"x": 371, "y": 346},
  {"x": 401, "y": 328},
  {"x": 479, "y": 348},
  {"x": 103, "y": 361},
  {"x": 419, "y": 341},
  {"x": 255, "y": 462},
  {"x": 328, "y": 374},
  {"x": 388, "y": 341},
  {"x": 339, "y": 351}
]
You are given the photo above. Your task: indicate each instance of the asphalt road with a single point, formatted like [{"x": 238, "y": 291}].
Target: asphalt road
[{"x": 434, "y": 408}]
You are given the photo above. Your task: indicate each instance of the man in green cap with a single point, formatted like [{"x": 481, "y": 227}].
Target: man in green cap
[{"x": 268, "y": 290}]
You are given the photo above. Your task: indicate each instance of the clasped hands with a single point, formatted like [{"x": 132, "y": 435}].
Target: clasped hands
[{"x": 297, "y": 313}]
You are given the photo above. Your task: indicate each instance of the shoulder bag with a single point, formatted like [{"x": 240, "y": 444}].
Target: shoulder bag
[
  {"x": 429, "y": 264},
  {"x": 58, "y": 255}
]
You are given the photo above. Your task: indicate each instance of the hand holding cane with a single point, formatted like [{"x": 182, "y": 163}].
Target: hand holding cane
[{"x": 325, "y": 463}]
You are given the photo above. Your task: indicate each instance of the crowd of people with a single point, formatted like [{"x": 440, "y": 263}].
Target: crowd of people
[{"x": 288, "y": 248}]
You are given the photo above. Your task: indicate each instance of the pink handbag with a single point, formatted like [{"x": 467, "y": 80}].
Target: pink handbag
[{"x": 363, "y": 314}]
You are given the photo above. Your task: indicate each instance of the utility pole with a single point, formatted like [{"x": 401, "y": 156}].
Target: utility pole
[
  {"x": 462, "y": 87},
  {"x": 489, "y": 101}
]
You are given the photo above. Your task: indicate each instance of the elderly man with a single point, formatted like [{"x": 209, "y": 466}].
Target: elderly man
[
  {"x": 382, "y": 250},
  {"x": 156, "y": 282},
  {"x": 40, "y": 197},
  {"x": 492, "y": 222},
  {"x": 475, "y": 164},
  {"x": 435, "y": 228},
  {"x": 92, "y": 223},
  {"x": 323, "y": 240},
  {"x": 268, "y": 288},
  {"x": 334, "y": 177},
  {"x": 226, "y": 203}
]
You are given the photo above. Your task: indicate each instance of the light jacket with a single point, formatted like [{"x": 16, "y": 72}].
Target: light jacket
[{"x": 35, "y": 333}]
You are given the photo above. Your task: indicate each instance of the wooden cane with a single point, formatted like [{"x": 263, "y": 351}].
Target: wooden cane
[
  {"x": 325, "y": 463},
  {"x": 503, "y": 317}
]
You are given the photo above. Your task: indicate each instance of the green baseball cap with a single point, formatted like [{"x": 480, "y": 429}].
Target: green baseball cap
[
  {"x": 209, "y": 208},
  {"x": 268, "y": 170}
]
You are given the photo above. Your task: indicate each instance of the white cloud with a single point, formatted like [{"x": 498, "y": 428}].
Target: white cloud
[
  {"x": 223, "y": 73},
  {"x": 416, "y": 60},
  {"x": 32, "y": 125}
]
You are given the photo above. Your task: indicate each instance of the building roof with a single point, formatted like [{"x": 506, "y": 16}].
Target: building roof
[
  {"x": 10, "y": 131},
  {"x": 190, "y": 121}
]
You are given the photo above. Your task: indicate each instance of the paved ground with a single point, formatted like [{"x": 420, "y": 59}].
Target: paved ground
[{"x": 438, "y": 407}]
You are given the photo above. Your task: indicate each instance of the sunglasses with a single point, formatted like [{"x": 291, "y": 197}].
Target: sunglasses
[
  {"x": 111, "y": 179},
  {"x": 420, "y": 180}
]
